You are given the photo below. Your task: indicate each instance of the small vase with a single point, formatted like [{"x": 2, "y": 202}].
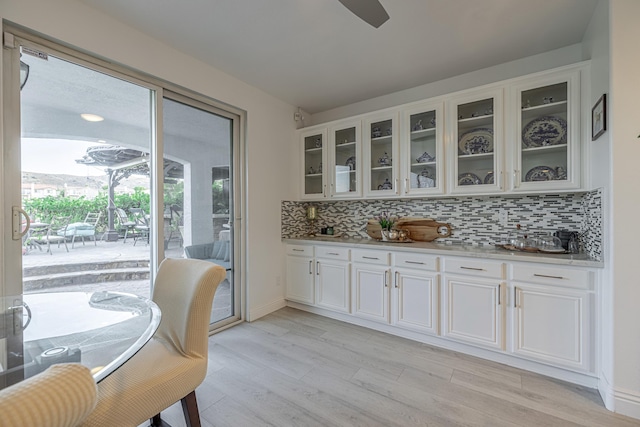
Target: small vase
[{"x": 385, "y": 235}]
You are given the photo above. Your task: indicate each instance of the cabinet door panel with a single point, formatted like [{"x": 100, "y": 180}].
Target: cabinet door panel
[
  {"x": 547, "y": 131},
  {"x": 333, "y": 285},
  {"x": 552, "y": 326},
  {"x": 417, "y": 301},
  {"x": 314, "y": 160},
  {"x": 473, "y": 312},
  {"x": 300, "y": 279},
  {"x": 371, "y": 293}
]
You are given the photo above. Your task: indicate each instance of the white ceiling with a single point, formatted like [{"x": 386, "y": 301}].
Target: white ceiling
[{"x": 317, "y": 55}]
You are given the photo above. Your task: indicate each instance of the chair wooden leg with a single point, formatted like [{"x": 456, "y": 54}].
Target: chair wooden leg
[
  {"x": 190, "y": 410},
  {"x": 156, "y": 421}
]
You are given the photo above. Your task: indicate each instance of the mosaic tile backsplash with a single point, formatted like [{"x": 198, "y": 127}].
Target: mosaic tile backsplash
[{"x": 474, "y": 219}]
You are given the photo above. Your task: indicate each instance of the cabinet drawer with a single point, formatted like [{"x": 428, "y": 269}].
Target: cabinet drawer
[
  {"x": 300, "y": 250},
  {"x": 372, "y": 257},
  {"x": 550, "y": 275},
  {"x": 332, "y": 253},
  {"x": 473, "y": 267},
  {"x": 417, "y": 261}
]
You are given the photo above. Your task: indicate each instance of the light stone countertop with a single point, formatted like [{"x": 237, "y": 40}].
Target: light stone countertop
[{"x": 485, "y": 251}]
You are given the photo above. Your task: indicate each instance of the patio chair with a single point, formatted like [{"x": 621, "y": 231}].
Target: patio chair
[
  {"x": 125, "y": 223},
  {"x": 84, "y": 229},
  {"x": 142, "y": 225},
  {"x": 174, "y": 224},
  {"x": 56, "y": 232}
]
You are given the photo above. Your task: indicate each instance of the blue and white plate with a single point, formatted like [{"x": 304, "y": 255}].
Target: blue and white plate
[
  {"x": 476, "y": 141},
  {"x": 469, "y": 179},
  {"x": 540, "y": 173},
  {"x": 543, "y": 131},
  {"x": 489, "y": 178}
]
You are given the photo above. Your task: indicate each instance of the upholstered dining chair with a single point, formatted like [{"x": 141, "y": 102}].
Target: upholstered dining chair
[
  {"x": 174, "y": 362},
  {"x": 61, "y": 396}
]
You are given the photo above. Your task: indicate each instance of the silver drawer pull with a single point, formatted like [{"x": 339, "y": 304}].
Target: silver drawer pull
[
  {"x": 298, "y": 250},
  {"x": 472, "y": 268},
  {"x": 369, "y": 257},
  {"x": 548, "y": 277},
  {"x": 414, "y": 262},
  {"x": 333, "y": 253}
]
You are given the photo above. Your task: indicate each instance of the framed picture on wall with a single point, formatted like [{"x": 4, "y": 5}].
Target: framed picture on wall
[{"x": 599, "y": 118}]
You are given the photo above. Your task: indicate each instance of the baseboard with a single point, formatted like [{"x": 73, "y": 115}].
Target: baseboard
[
  {"x": 606, "y": 392},
  {"x": 259, "y": 312},
  {"x": 627, "y": 402}
]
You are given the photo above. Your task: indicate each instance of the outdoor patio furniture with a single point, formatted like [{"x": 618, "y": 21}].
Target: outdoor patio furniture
[
  {"x": 216, "y": 252},
  {"x": 56, "y": 232},
  {"x": 83, "y": 229},
  {"x": 141, "y": 228},
  {"x": 125, "y": 223}
]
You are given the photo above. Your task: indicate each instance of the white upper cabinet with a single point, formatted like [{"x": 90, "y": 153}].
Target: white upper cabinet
[
  {"x": 545, "y": 133},
  {"x": 422, "y": 149},
  {"x": 475, "y": 123},
  {"x": 345, "y": 179},
  {"x": 314, "y": 161},
  {"x": 381, "y": 155},
  {"x": 518, "y": 136}
]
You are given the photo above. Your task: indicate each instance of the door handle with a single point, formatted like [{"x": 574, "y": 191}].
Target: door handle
[
  {"x": 397, "y": 279},
  {"x": 317, "y": 268},
  {"x": 16, "y": 224},
  {"x": 310, "y": 263}
]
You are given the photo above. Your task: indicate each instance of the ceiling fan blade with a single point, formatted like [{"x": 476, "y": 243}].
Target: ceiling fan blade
[{"x": 370, "y": 11}]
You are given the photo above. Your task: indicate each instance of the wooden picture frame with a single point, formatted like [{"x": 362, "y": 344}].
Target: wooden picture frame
[{"x": 599, "y": 118}]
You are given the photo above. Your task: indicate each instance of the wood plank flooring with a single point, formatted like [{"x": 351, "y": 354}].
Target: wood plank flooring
[{"x": 293, "y": 368}]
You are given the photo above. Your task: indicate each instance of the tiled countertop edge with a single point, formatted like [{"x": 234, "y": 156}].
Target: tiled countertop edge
[{"x": 489, "y": 252}]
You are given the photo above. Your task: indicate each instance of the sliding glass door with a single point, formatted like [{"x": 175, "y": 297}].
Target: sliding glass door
[
  {"x": 199, "y": 203},
  {"x": 112, "y": 173}
]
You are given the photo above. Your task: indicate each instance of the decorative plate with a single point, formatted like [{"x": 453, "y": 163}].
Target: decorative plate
[
  {"x": 553, "y": 250},
  {"x": 351, "y": 162},
  {"x": 489, "y": 179},
  {"x": 468, "y": 179},
  {"x": 540, "y": 173},
  {"x": 476, "y": 141},
  {"x": 543, "y": 131}
]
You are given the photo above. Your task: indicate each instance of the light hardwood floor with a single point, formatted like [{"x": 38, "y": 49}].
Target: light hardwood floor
[{"x": 293, "y": 368}]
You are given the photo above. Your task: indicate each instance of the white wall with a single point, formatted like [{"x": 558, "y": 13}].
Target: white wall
[
  {"x": 596, "y": 48},
  {"x": 544, "y": 61},
  {"x": 268, "y": 129},
  {"x": 625, "y": 202}
]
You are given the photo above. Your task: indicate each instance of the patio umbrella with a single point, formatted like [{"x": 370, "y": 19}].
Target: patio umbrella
[{"x": 120, "y": 163}]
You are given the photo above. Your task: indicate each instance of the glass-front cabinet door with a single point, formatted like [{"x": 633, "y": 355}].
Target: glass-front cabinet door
[
  {"x": 547, "y": 134},
  {"x": 314, "y": 143},
  {"x": 345, "y": 161},
  {"x": 381, "y": 155},
  {"x": 476, "y": 143},
  {"x": 422, "y": 150}
]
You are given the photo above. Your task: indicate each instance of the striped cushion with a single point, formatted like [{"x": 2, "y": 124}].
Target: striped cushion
[{"x": 61, "y": 396}]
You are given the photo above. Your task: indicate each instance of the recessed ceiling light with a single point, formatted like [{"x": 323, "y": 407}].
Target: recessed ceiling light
[
  {"x": 102, "y": 141},
  {"x": 91, "y": 117}
]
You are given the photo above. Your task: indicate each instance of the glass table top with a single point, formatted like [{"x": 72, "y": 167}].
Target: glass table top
[{"x": 100, "y": 330}]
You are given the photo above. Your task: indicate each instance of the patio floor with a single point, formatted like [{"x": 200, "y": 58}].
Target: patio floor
[{"x": 105, "y": 266}]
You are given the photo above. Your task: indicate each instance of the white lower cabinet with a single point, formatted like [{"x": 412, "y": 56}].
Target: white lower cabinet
[
  {"x": 540, "y": 312},
  {"x": 552, "y": 321},
  {"x": 370, "y": 289},
  {"x": 300, "y": 274},
  {"x": 332, "y": 282},
  {"x": 415, "y": 300},
  {"x": 370, "y": 282},
  {"x": 473, "y": 311}
]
